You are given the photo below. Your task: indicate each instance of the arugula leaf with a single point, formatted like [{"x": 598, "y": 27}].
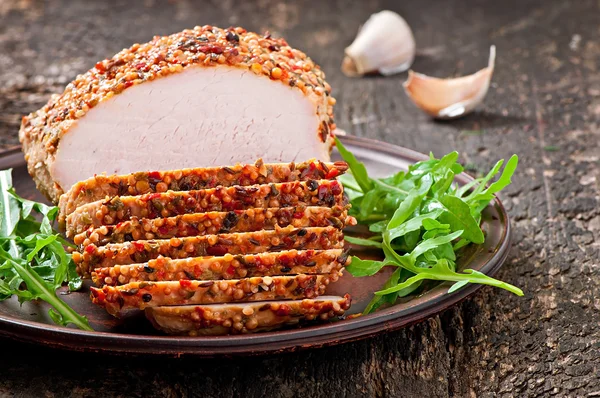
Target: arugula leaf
[
  {"x": 359, "y": 171},
  {"x": 458, "y": 216},
  {"x": 9, "y": 206},
  {"x": 411, "y": 203},
  {"x": 414, "y": 224},
  {"x": 360, "y": 267},
  {"x": 421, "y": 221},
  {"x": 33, "y": 260}
]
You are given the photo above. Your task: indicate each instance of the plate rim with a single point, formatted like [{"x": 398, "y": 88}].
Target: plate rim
[{"x": 334, "y": 333}]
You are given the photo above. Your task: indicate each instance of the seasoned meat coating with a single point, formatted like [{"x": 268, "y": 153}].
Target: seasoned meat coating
[
  {"x": 287, "y": 262},
  {"x": 139, "y": 295},
  {"x": 101, "y": 186},
  {"x": 287, "y": 238},
  {"x": 171, "y": 203},
  {"x": 198, "y": 224},
  {"x": 238, "y": 318}
]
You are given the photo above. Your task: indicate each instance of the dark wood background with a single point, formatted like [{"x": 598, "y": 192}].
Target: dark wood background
[{"x": 544, "y": 104}]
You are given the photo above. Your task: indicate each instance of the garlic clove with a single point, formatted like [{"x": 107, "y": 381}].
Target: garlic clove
[
  {"x": 384, "y": 44},
  {"x": 450, "y": 98}
]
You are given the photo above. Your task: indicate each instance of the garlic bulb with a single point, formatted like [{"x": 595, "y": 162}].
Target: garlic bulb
[
  {"x": 450, "y": 98},
  {"x": 384, "y": 44}
]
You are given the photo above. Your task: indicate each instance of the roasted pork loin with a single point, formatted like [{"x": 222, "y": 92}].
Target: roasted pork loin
[{"x": 204, "y": 248}]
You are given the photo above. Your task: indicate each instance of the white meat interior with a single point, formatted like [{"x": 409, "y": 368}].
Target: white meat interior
[{"x": 204, "y": 116}]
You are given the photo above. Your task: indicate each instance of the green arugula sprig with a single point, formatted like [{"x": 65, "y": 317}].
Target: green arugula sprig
[
  {"x": 420, "y": 219},
  {"x": 33, "y": 260}
]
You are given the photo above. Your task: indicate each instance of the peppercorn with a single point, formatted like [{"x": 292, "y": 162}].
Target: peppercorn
[{"x": 231, "y": 36}]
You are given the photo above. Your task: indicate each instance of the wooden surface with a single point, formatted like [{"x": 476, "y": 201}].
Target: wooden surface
[{"x": 544, "y": 105}]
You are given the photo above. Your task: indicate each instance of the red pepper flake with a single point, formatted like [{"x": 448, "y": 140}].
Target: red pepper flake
[
  {"x": 283, "y": 310},
  {"x": 191, "y": 230},
  {"x": 90, "y": 249},
  {"x": 284, "y": 260},
  {"x": 185, "y": 283},
  {"x": 100, "y": 66},
  {"x": 212, "y": 49},
  {"x": 151, "y": 196},
  {"x": 332, "y": 173},
  {"x": 99, "y": 294},
  {"x": 163, "y": 230},
  {"x": 138, "y": 246},
  {"x": 336, "y": 188},
  {"x": 217, "y": 250},
  {"x": 154, "y": 174}
]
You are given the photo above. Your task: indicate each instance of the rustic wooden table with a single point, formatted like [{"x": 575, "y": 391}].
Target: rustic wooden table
[{"x": 544, "y": 105}]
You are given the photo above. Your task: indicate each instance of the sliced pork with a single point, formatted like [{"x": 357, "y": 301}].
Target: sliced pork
[
  {"x": 171, "y": 203},
  {"x": 140, "y": 251},
  {"x": 139, "y": 295},
  {"x": 101, "y": 186},
  {"x": 198, "y": 224},
  {"x": 220, "y": 319},
  {"x": 286, "y": 262},
  {"x": 201, "y": 97}
]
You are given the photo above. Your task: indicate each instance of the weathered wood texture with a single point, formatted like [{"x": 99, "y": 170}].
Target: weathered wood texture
[{"x": 544, "y": 104}]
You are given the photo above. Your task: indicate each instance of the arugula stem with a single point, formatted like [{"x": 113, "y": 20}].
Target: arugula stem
[
  {"x": 390, "y": 187},
  {"x": 32, "y": 279}
]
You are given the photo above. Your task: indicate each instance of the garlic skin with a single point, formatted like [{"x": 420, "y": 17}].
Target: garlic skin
[
  {"x": 450, "y": 98},
  {"x": 384, "y": 44}
]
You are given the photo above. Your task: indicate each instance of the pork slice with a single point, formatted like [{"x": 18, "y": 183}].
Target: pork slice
[
  {"x": 197, "y": 224},
  {"x": 139, "y": 295},
  {"x": 201, "y": 97},
  {"x": 172, "y": 203},
  {"x": 101, "y": 186},
  {"x": 92, "y": 256},
  {"x": 234, "y": 318},
  {"x": 287, "y": 262}
]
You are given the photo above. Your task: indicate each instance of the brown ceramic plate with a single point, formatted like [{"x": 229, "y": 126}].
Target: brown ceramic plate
[{"x": 133, "y": 335}]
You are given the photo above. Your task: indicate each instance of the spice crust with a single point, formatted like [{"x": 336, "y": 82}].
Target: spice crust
[
  {"x": 101, "y": 186},
  {"x": 92, "y": 256},
  {"x": 172, "y": 203},
  {"x": 244, "y": 318},
  {"x": 287, "y": 262},
  {"x": 140, "y": 295},
  {"x": 198, "y": 224}
]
